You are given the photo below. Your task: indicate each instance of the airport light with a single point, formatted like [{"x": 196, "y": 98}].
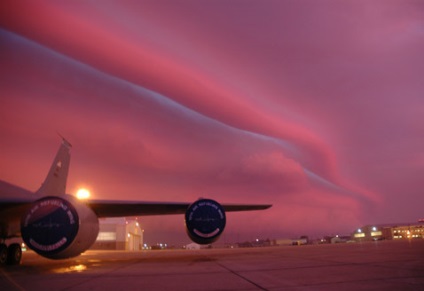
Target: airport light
[{"x": 83, "y": 193}]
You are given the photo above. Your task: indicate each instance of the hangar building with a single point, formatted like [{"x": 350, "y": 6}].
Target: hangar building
[
  {"x": 119, "y": 234},
  {"x": 389, "y": 231}
]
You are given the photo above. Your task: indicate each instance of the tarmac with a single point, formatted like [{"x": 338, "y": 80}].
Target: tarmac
[{"x": 379, "y": 265}]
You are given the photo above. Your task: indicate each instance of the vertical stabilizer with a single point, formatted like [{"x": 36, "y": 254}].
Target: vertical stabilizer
[{"x": 55, "y": 182}]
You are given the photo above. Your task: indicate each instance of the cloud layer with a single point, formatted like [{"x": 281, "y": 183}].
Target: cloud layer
[{"x": 314, "y": 107}]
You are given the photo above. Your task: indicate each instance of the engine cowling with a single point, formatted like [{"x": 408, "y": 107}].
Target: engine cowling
[
  {"x": 59, "y": 227},
  {"x": 205, "y": 221}
]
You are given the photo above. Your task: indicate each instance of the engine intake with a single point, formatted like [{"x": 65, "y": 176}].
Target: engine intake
[
  {"x": 59, "y": 227},
  {"x": 205, "y": 221}
]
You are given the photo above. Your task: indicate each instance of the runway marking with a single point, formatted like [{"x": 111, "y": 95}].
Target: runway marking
[
  {"x": 11, "y": 281},
  {"x": 241, "y": 276}
]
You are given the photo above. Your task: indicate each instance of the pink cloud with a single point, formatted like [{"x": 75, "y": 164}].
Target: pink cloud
[{"x": 317, "y": 111}]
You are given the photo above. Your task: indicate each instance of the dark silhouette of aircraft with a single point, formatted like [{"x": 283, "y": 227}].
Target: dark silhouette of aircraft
[{"x": 57, "y": 225}]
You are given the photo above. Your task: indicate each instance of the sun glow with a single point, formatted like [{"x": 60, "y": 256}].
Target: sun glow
[{"x": 83, "y": 193}]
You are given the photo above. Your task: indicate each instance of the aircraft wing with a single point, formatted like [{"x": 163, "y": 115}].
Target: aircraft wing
[
  {"x": 13, "y": 196},
  {"x": 6, "y": 203},
  {"x": 110, "y": 208},
  {"x": 12, "y": 209},
  {"x": 49, "y": 221}
]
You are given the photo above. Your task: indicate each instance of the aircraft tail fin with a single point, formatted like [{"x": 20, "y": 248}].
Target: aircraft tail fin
[{"x": 55, "y": 182}]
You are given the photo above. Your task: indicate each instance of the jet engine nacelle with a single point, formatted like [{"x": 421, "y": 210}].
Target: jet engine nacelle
[
  {"x": 59, "y": 227},
  {"x": 205, "y": 221}
]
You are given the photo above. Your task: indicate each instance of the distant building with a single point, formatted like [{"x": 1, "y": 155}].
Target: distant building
[
  {"x": 389, "y": 231},
  {"x": 282, "y": 242},
  {"x": 340, "y": 239},
  {"x": 303, "y": 240},
  {"x": 119, "y": 234},
  {"x": 192, "y": 246}
]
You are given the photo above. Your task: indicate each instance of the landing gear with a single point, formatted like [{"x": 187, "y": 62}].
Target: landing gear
[
  {"x": 14, "y": 254},
  {"x": 11, "y": 255},
  {"x": 3, "y": 254}
]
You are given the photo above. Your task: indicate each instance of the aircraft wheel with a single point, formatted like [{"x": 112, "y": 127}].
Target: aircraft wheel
[
  {"x": 3, "y": 254},
  {"x": 14, "y": 254}
]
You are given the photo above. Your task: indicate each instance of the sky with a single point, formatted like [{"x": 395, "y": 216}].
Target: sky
[{"x": 315, "y": 107}]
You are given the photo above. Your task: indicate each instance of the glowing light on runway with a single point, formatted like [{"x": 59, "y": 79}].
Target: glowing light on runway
[{"x": 74, "y": 268}]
